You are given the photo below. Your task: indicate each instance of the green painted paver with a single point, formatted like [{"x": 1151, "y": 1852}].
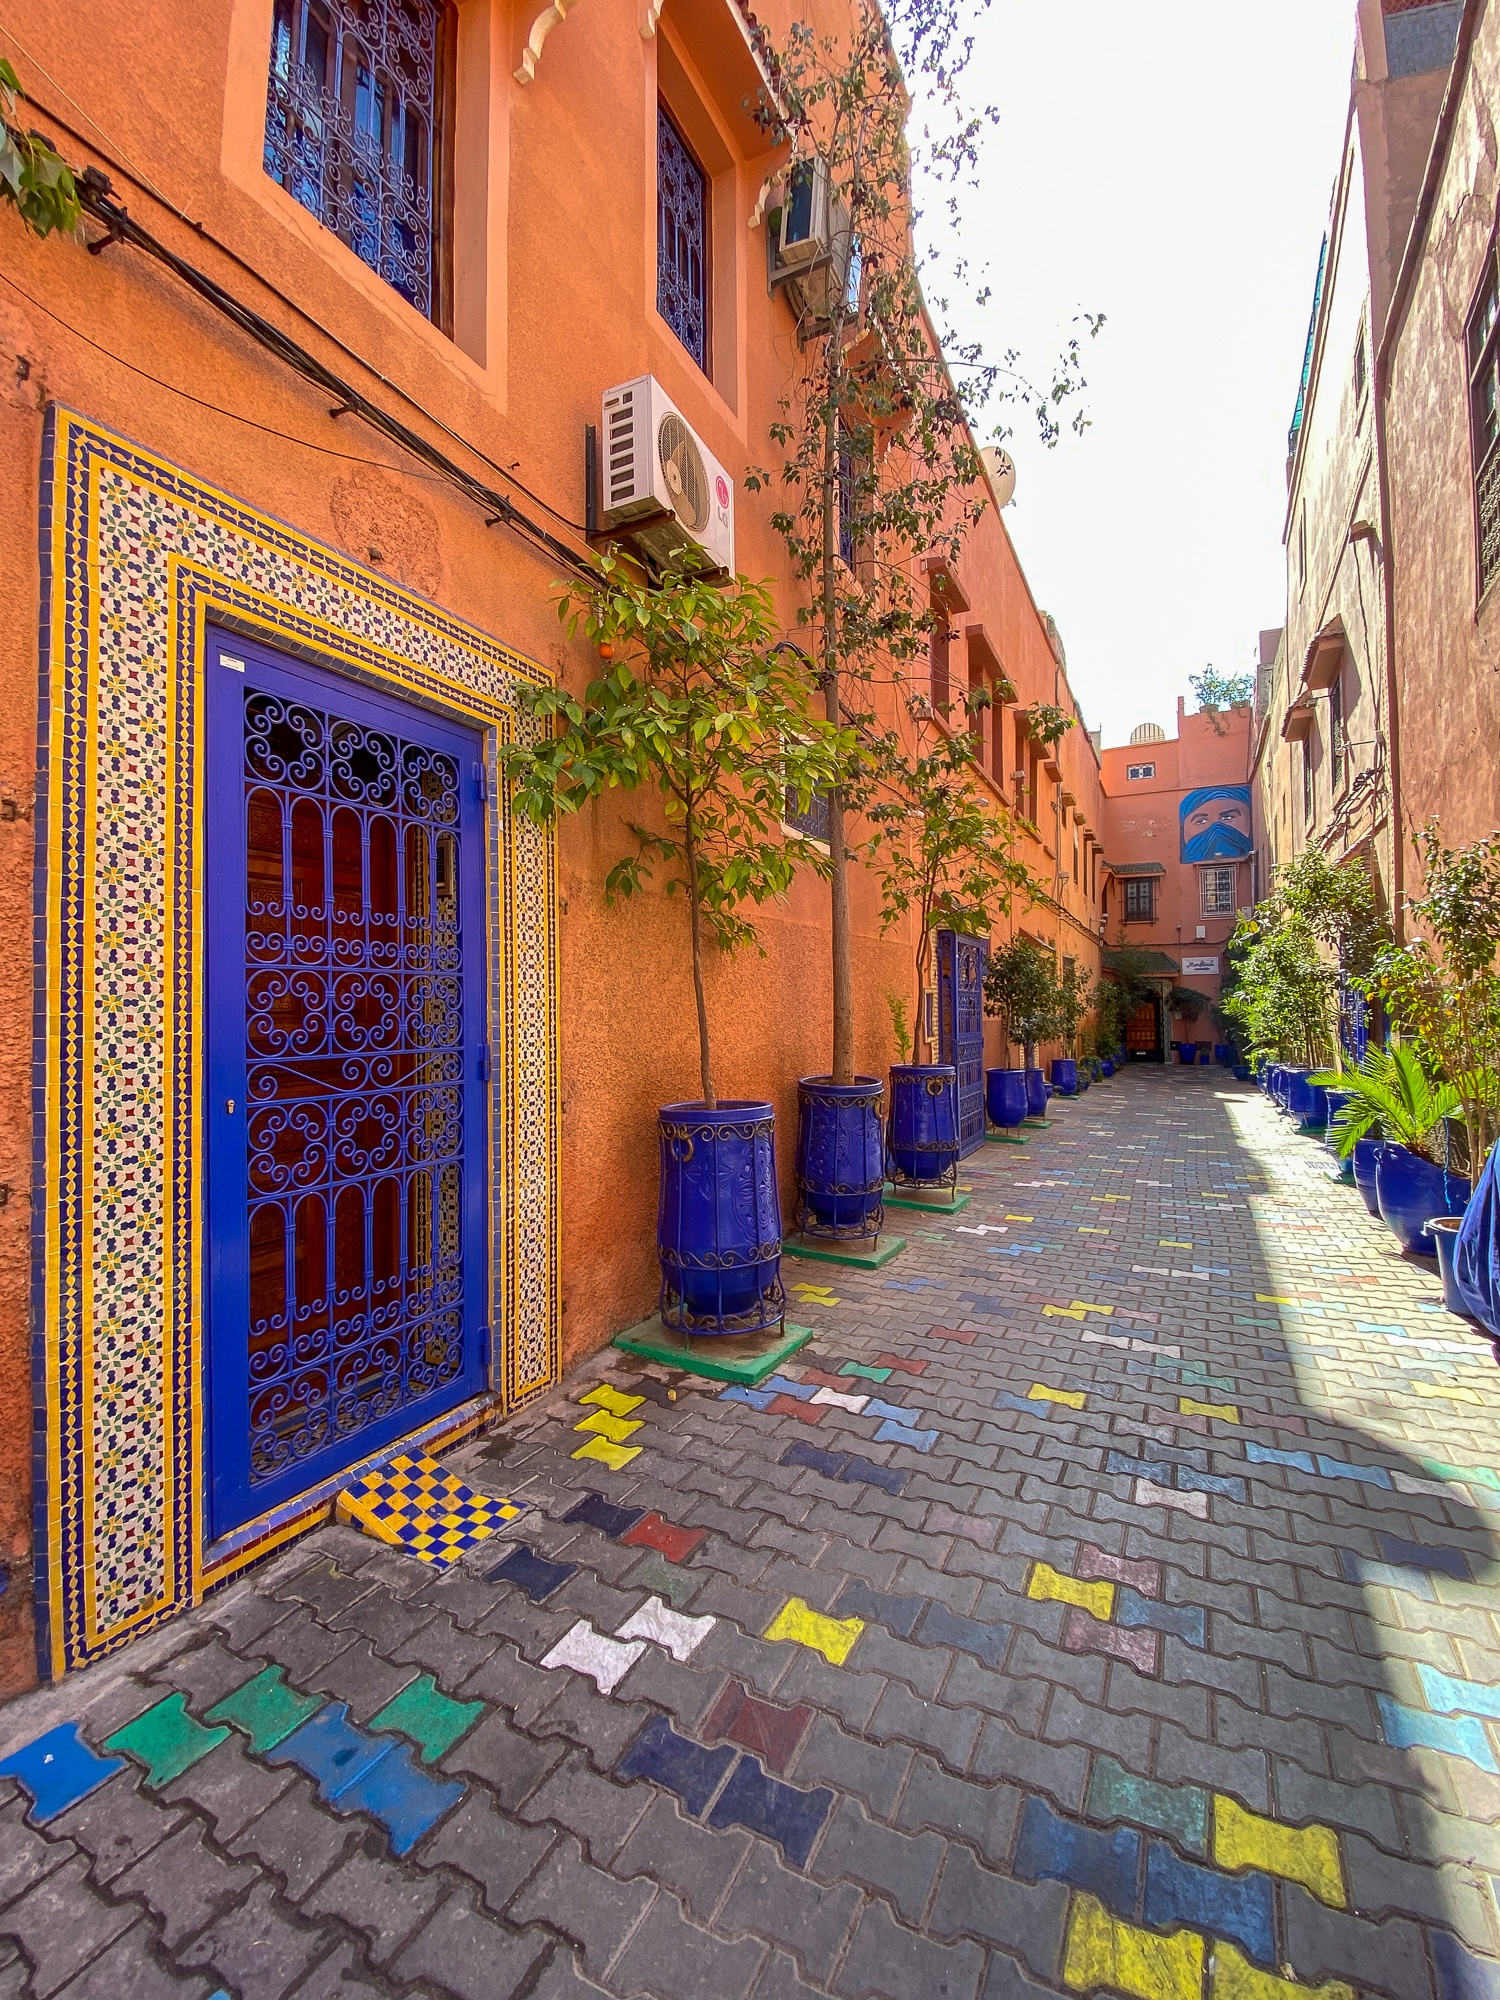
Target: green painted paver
[
  {"x": 266, "y": 1709},
  {"x": 745, "y": 1358},
  {"x": 1178, "y": 1810},
  {"x": 668, "y": 1580},
  {"x": 869, "y": 1374},
  {"x": 860, "y": 1256},
  {"x": 433, "y": 1722},
  {"x": 166, "y": 1739}
]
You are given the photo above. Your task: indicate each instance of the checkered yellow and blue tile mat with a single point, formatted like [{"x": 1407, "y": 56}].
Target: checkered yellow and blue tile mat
[{"x": 413, "y": 1504}]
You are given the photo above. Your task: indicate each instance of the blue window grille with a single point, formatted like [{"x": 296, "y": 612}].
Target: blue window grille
[
  {"x": 352, "y": 128},
  {"x": 681, "y": 239},
  {"x": 347, "y": 1064},
  {"x": 815, "y": 820}
]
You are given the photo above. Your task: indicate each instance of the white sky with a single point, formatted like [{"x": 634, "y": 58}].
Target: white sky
[{"x": 1168, "y": 164}]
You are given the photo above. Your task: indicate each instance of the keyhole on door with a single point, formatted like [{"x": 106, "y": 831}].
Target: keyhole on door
[{"x": 229, "y": 1105}]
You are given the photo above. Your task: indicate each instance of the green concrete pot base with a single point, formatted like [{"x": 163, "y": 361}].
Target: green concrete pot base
[
  {"x": 863, "y": 1254},
  {"x": 746, "y": 1358},
  {"x": 998, "y": 1138},
  {"x": 909, "y": 1198},
  {"x": 1035, "y": 1124}
]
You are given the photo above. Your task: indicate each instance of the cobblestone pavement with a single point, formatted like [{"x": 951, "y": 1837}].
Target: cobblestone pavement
[{"x": 1104, "y": 1602}]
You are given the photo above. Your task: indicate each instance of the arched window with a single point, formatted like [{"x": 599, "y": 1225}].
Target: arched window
[{"x": 353, "y": 129}]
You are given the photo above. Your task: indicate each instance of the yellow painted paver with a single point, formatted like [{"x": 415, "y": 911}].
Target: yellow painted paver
[
  {"x": 832, "y": 1637},
  {"x": 1445, "y": 1392},
  {"x": 1225, "y": 1412},
  {"x": 1102, "y": 1951},
  {"x": 1085, "y": 1230},
  {"x": 1306, "y": 1854},
  {"x": 604, "y": 1425},
  {"x": 1089, "y": 1305},
  {"x": 615, "y": 1456},
  {"x": 1231, "y": 1977},
  {"x": 1273, "y": 1299},
  {"x": 1049, "y": 1585},
  {"x": 614, "y": 1400},
  {"x": 1020, "y": 1218},
  {"x": 1062, "y": 1312},
  {"x": 1172, "y": 1243},
  {"x": 1040, "y": 1393}
]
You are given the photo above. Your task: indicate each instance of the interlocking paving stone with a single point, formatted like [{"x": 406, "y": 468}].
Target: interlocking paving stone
[
  {"x": 166, "y": 1740},
  {"x": 1261, "y": 1660},
  {"x": 58, "y": 1769}
]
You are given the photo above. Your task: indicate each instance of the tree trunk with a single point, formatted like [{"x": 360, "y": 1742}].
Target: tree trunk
[
  {"x": 690, "y": 844},
  {"x": 921, "y": 1041},
  {"x": 838, "y": 886}
]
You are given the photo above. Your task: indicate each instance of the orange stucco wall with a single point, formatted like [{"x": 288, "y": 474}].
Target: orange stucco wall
[
  {"x": 554, "y": 216},
  {"x": 1141, "y": 821}
]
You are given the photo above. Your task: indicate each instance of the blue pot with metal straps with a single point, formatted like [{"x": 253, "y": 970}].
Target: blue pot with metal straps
[
  {"x": 1108, "y": 1065},
  {"x": 921, "y": 1133},
  {"x": 1410, "y": 1191},
  {"x": 1336, "y": 1100},
  {"x": 1036, "y": 1094},
  {"x": 1005, "y": 1096},
  {"x": 718, "y": 1221},
  {"x": 1065, "y": 1076},
  {"x": 1366, "y": 1159},
  {"x": 1315, "y": 1119},
  {"x": 840, "y": 1156}
]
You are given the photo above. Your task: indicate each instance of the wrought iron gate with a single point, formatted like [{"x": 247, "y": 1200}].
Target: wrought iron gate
[
  {"x": 961, "y": 965},
  {"x": 347, "y": 1062}
]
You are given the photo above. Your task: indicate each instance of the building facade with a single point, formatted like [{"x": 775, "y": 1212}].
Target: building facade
[
  {"x": 1178, "y": 841},
  {"x": 1441, "y": 414},
  {"x": 1324, "y": 734},
  {"x": 327, "y": 1112}
]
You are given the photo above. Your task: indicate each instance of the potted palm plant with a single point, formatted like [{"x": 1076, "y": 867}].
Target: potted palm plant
[
  {"x": 1391, "y": 1090},
  {"x": 694, "y": 703}
]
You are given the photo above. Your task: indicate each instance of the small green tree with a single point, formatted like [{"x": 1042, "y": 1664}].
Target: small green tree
[
  {"x": 1390, "y": 1097},
  {"x": 1442, "y": 990},
  {"x": 875, "y": 466},
  {"x": 697, "y": 703},
  {"x": 1284, "y": 993},
  {"x": 1075, "y": 996},
  {"x": 941, "y": 850},
  {"x": 1020, "y": 987},
  {"x": 34, "y": 177},
  {"x": 1216, "y": 694}
]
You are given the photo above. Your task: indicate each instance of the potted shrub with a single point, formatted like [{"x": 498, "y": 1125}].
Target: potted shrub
[
  {"x": 1072, "y": 1000},
  {"x": 1391, "y": 1090},
  {"x": 693, "y": 702},
  {"x": 941, "y": 850},
  {"x": 1020, "y": 989}
]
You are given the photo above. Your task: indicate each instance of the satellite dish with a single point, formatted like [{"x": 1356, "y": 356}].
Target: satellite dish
[{"x": 1001, "y": 468}]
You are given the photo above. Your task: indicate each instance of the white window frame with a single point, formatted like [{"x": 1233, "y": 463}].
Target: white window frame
[{"x": 1223, "y": 902}]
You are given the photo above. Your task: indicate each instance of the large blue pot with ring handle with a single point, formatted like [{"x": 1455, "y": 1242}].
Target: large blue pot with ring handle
[
  {"x": 1005, "y": 1096},
  {"x": 921, "y": 1134},
  {"x": 718, "y": 1219}
]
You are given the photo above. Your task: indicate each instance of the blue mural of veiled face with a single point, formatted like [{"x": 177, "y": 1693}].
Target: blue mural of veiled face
[{"x": 1215, "y": 823}]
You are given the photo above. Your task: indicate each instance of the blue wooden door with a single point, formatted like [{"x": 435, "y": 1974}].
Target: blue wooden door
[
  {"x": 961, "y": 968},
  {"x": 346, "y": 1069}
]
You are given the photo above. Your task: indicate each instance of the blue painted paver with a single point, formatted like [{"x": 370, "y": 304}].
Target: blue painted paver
[
  {"x": 406, "y": 1800},
  {"x": 1408, "y": 1728},
  {"x": 942, "y": 1627},
  {"x": 1265, "y": 1454},
  {"x": 830, "y": 1463},
  {"x": 1051, "y": 1848},
  {"x": 330, "y": 1749},
  {"x": 682, "y": 1766},
  {"x": 532, "y": 1573},
  {"x": 1238, "y": 1907},
  {"x": 780, "y": 1812},
  {"x": 58, "y": 1769},
  {"x": 604, "y": 1515},
  {"x": 1188, "y": 1622},
  {"x": 1447, "y": 1696},
  {"x": 890, "y": 1433}
]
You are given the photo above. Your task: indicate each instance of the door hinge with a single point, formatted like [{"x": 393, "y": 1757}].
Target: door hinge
[
  {"x": 484, "y": 1062},
  {"x": 484, "y": 1349},
  {"x": 481, "y": 784}
]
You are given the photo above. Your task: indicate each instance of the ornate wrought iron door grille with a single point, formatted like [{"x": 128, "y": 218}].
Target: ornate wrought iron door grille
[
  {"x": 961, "y": 968},
  {"x": 681, "y": 240},
  {"x": 352, "y": 123},
  {"x": 359, "y": 1150}
]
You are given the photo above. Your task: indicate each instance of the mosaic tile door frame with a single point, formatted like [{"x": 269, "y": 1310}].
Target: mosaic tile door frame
[{"x": 137, "y": 558}]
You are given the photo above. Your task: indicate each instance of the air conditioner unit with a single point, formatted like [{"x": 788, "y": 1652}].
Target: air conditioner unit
[
  {"x": 663, "y": 489},
  {"x": 811, "y": 249}
]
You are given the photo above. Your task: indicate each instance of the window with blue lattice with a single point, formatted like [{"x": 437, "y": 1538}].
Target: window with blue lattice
[
  {"x": 682, "y": 249},
  {"x": 354, "y": 128}
]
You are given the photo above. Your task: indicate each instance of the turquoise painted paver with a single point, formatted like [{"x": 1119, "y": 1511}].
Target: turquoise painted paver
[{"x": 1130, "y": 1685}]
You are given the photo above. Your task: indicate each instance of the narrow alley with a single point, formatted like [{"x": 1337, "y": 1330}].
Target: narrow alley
[{"x": 1106, "y": 1597}]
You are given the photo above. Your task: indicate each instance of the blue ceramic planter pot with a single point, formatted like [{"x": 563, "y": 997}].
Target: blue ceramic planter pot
[
  {"x": 1108, "y": 1066},
  {"x": 1005, "y": 1096},
  {"x": 921, "y": 1134},
  {"x": 1444, "y": 1232},
  {"x": 1366, "y": 1159},
  {"x": 1299, "y": 1097},
  {"x": 1410, "y": 1191},
  {"x": 1315, "y": 1118},
  {"x": 1065, "y": 1076},
  {"x": 1186, "y": 1052},
  {"x": 1223, "y": 1054},
  {"x": 1336, "y": 1100},
  {"x": 718, "y": 1221},
  {"x": 1241, "y": 1074},
  {"x": 840, "y": 1156},
  {"x": 1205, "y": 1056},
  {"x": 1036, "y": 1094}
]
